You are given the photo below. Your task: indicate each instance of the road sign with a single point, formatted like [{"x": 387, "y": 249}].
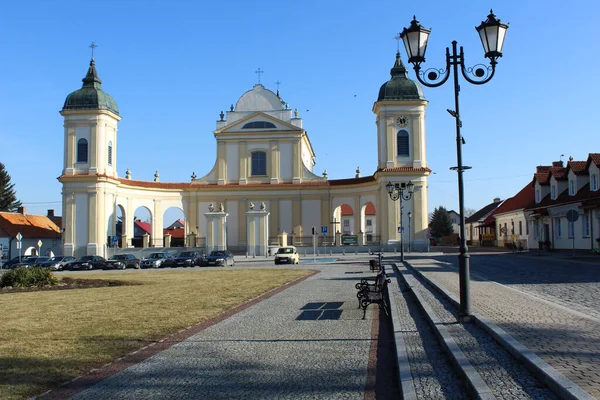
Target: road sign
[
  {"x": 115, "y": 239},
  {"x": 324, "y": 229},
  {"x": 40, "y": 243},
  {"x": 572, "y": 215},
  {"x": 503, "y": 229},
  {"x": 19, "y": 237}
]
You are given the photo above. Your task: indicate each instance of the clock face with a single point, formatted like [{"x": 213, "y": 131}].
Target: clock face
[{"x": 402, "y": 121}]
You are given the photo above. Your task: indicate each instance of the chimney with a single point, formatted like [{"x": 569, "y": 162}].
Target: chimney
[
  {"x": 496, "y": 199},
  {"x": 50, "y": 213},
  {"x": 557, "y": 164},
  {"x": 21, "y": 210}
]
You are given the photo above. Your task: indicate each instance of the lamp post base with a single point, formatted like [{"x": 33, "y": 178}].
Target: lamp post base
[{"x": 464, "y": 311}]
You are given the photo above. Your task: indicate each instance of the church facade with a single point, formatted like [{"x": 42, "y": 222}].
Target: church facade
[{"x": 262, "y": 187}]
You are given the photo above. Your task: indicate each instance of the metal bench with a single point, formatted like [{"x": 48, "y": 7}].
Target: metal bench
[{"x": 373, "y": 290}]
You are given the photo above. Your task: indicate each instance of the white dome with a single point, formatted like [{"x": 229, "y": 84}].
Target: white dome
[{"x": 259, "y": 99}]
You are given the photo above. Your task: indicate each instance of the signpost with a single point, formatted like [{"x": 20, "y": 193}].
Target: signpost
[
  {"x": 39, "y": 243},
  {"x": 19, "y": 237},
  {"x": 573, "y": 216}
]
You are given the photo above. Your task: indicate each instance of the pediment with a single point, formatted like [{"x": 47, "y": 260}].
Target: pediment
[{"x": 258, "y": 117}]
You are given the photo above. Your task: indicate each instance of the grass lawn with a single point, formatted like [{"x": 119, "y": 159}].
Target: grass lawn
[{"x": 48, "y": 337}]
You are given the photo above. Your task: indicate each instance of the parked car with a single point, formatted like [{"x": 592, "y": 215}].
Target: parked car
[
  {"x": 57, "y": 263},
  {"x": 15, "y": 260},
  {"x": 122, "y": 261},
  {"x": 86, "y": 262},
  {"x": 287, "y": 255},
  {"x": 30, "y": 262},
  {"x": 184, "y": 259},
  {"x": 218, "y": 258},
  {"x": 155, "y": 260}
]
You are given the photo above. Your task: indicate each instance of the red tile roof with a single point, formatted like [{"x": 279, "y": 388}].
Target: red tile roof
[
  {"x": 525, "y": 198},
  {"x": 347, "y": 210},
  {"x": 30, "y": 226},
  {"x": 542, "y": 174},
  {"x": 583, "y": 195},
  {"x": 146, "y": 227},
  {"x": 559, "y": 173},
  {"x": 405, "y": 169},
  {"x": 176, "y": 233},
  {"x": 578, "y": 167},
  {"x": 593, "y": 158},
  {"x": 370, "y": 209}
]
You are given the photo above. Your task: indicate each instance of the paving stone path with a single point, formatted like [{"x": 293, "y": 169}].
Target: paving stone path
[
  {"x": 307, "y": 342},
  {"x": 565, "y": 339}
]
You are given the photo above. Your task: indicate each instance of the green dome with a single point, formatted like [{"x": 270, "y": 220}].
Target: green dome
[
  {"x": 399, "y": 87},
  {"x": 91, "y": 96}
]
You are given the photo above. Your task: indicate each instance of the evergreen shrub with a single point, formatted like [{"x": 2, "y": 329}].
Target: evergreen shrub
[{"x": 27, "y": 277}]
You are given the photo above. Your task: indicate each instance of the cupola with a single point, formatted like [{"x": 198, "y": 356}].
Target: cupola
[
  {"x": 399, "y": 87},
  {"x": 91, "y": 96}
]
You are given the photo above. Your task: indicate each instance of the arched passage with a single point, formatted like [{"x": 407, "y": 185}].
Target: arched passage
[
  {"x": 142, "y": 227},
  {"x": 174, "y": 226},
  {"x": 368, "y": 220}
]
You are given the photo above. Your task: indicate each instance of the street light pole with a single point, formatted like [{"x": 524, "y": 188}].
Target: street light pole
[
  {"x": 492, "y": 33},
  {"x": 409, "y": 231},
  {"x": 396, "y": 191}
]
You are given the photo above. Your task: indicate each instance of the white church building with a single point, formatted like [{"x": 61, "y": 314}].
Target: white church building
[{"x": 262, "y": 189}]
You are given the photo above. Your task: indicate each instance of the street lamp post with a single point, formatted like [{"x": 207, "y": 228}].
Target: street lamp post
[
  {"x": 409, "y": 232},
  {"x": 492, "y": 33},
  {"x": 396, "y": 191}
]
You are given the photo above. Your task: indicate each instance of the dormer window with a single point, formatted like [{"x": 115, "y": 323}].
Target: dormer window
[
  {"x": 259, "y": 163},
  {"x": 402, "y": 143},
  {"x": 594, "y": 182},
  {"x": 259, "y": 125},
  {"x": 537, "y": 195},
  {"x": 553, "y": 192},
  {"x": 571, "y": 188}
]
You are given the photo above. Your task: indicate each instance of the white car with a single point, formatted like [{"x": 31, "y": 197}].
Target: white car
[{"x": 287, "y": 255}]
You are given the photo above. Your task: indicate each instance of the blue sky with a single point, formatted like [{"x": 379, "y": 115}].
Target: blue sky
[{"x": 172, "y": 66}]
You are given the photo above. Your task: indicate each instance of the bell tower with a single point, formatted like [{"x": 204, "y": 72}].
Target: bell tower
[
  {"x": 400, "y": 110},
  {"x": 89, "y": 174}
]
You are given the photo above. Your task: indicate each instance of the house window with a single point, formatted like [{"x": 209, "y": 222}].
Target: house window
[
  {"x": 109, "y": 153},
  {"x": 259, "y": 163},
  {"x": 82, "y": 151},
  {"x": 571, "y": 229},
  {"x": 586, "y": 225},
  {"x": 537, "y": 195},
  {"x": 346, "y": 223},
  {"x": 520, "y": 228},
  {"x": 536, "y": 230},
  {"x": 369, "y": 222},
  {"x": 594, "y": 183},
  {"x": 557, "y": 232},
  {"x": 402, "y": 143},
  {"x": 259, "y": 125},
  {"x": 553, "y": 192},
  {"x": 527, "y": 228},
  {"x": 572, "y": 188}
]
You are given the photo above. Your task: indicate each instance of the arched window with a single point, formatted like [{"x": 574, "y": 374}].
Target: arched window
[
  {"x": 259, "y": 163},
  {"x": 259, "y": 125},
  {"x": 402, "y": 143},
  {"x": 82, "y": 151},
  {"x": 109, "y": 153}
]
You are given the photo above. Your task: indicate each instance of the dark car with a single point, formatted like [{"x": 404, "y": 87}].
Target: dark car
[
  {"x": 122, "y": 261},
  {"x": 30, "y": 262},
  {"x": 15, "y": 260},
  {"x": 218, "y": 258},
  {"x": 155, "y": 260},
  {"x": 184, "y": 259},
  {"x": 86, "y": 262},
  {"x": 57, "y": 263}
]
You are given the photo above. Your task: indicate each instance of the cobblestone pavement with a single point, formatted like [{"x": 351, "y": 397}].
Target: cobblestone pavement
[
  {"x": 307, "y": 342},
  {"x": 432, "y": 374},
  {"x": 566, "y": 339}
]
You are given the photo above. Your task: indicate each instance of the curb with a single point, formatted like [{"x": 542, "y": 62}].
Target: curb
[
  {"x": 557, "y": 382},
  {"x": 407, "y": 386},
  {"x": 476, "y": 386}
]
